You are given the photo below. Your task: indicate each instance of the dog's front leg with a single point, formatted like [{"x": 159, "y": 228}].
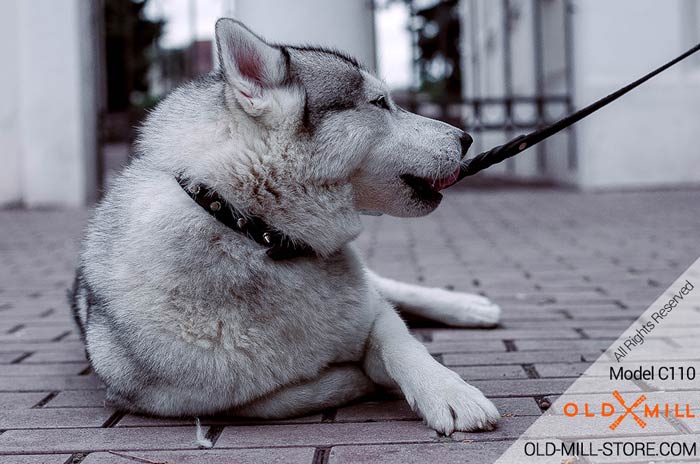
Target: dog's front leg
[
  {"x": 445, "y": 401},
  {"x": 452, "y": 308}
]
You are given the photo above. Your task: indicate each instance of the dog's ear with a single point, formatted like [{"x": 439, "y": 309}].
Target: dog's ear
[{"x": 249, "y": 64}]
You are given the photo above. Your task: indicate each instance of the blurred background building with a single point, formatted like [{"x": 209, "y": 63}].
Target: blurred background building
[
  {"x": 79, "y": 75},
  {"x": 527, "y": 62}
]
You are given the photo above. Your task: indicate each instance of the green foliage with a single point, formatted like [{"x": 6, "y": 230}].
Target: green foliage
[
  {"x": 129, "y": 37},
  {"x": 438, "y": 31}
]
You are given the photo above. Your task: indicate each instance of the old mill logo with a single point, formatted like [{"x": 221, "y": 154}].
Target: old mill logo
[
  {"x": 624, "y": 409},
  {"x": 628, "y": 410}
]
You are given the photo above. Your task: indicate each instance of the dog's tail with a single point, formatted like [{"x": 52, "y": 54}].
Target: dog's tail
[{"x": 78, "y": 299}]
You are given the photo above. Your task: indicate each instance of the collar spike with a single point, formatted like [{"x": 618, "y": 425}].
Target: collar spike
[{"x": 279, "y": 245}]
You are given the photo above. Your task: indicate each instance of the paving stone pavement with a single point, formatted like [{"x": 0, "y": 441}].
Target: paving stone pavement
[{"x": 570, "y": 270}]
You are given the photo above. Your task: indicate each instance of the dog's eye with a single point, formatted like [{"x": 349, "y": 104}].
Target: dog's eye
[{"x": 380, "y": 102}]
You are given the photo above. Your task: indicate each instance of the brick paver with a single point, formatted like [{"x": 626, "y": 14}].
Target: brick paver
[{"x": 570, "y": 270}]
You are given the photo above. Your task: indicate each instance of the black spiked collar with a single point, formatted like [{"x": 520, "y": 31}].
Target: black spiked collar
[{"x": 279, "y": 245}]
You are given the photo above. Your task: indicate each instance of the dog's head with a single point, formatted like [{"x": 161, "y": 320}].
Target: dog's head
[{"x": 329, "y": 121}]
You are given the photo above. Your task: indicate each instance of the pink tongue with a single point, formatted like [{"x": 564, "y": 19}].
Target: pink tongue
[{"x": 447, "y": 181}]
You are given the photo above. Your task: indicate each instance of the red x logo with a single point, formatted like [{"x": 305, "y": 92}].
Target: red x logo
[{"x": 628, "y": 411}]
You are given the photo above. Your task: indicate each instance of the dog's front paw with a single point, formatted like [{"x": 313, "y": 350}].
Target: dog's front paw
[
  {"x": 448, "y": 404},
  {"x": 468, "y": 310}
]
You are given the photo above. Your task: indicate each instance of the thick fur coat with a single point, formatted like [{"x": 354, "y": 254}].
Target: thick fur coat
[{"x": 183, "y": 316}]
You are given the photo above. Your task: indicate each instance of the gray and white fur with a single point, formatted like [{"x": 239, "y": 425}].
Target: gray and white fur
[{"x": 182, "y": 316}]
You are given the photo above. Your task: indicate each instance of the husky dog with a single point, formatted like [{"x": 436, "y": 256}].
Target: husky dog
[{"x": 185, "y": 303}]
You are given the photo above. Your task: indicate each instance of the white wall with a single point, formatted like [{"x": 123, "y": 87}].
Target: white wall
[
  {"x": 344, "y": 24},
  {"x": 648, "y": 138},
  {"x": 47, "y": 131},
  {"x": 10, "y": 167}
]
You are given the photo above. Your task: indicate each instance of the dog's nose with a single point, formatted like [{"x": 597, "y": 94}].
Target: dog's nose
[{"x": 466, "y": 141}]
